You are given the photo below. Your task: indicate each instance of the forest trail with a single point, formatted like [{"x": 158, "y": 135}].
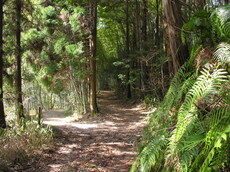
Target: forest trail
[{"x": 105, "y": 144}]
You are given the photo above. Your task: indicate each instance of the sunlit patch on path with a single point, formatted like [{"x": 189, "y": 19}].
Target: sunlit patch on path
[{"x": 104, "y": 144}]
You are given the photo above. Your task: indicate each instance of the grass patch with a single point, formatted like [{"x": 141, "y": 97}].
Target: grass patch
[{"x": 19, "y": 144}]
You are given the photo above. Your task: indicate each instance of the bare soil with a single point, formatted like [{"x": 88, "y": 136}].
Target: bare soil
[{"x": 102, "y": 144}]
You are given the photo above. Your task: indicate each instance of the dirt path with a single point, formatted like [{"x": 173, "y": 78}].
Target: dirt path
[{"x": 102, "y": 145}]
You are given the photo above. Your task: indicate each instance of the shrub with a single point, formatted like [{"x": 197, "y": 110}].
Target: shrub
[{"x": 20, "y": 143}]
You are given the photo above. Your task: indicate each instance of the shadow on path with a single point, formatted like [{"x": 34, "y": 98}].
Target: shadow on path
[{"x": 101, "y": 145}]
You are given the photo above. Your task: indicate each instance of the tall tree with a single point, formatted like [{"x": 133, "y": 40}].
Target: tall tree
[
  {"x": 173, "y": 23},
  {"x": 92, "y": 59},
  {"x": 2, "y": 113},
  {"x": 19, "y": 104},
  {"x": 128, "y": 48},
  {"x": 157, "y": 41},
  {"x": 144, "y": 68},
  {"x": 145, "y": 20}
]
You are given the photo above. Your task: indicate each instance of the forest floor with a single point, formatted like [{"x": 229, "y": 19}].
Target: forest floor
[{"x": 103, "y": 144}]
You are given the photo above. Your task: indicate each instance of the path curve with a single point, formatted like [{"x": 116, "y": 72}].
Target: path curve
[{"x": 105, "y": 144}]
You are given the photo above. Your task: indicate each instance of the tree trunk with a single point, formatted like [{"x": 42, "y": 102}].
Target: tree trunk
[
  {"x": 137, "y": 34},
  {"x": 128, "y": 49},
  {"x": 173, "y": 23},
  {"x": 144, "y": 68},
  {"x": 138, "y": 42},
  {"x": 157, "y": 37},
  {"x": 200, "y": 4},
  {"x": 226, "y": 2},
  {"x": 92, "y": 60},
  {"x": 144, "y": 29},
  {"x": 19, "y": 105},
  {"x": 2, "y": 113}
]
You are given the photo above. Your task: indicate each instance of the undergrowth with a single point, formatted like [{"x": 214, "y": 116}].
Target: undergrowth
[
  {"x": 18, "y": 144},
  {"x": 190, "y": 130}
]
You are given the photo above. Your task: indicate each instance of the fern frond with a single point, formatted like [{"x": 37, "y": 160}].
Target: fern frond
[
  {"x": 159, "y": 121},
  {"x": 206, "y": 84},
  {"x": 222, "y": 53},
  {"x": 187, "y": 157},
  {"x": 194, "y": 115},
  {"x": 221, "y": 21},
  {"x": 174, "y": 93},
  {"x": 151, "y": 154},
  {"x": 215, "y": 139},
  {"x": 194, "y": 52}
]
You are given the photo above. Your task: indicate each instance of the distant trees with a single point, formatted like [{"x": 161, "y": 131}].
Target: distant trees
[
  {"x": 70, "y": 49},
  {"x": 151, "y": 31},
  {"x": 55, "y": 54},
  {"x": 139, "y": 33},
  {"x": 51, "y": 52},
  {"x": 61, "y": 51}
]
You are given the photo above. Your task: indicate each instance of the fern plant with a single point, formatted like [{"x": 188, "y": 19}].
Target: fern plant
[
  {"x": 208, "y": 84},
  {"x": 220, "y": 20},
  {"x": 155, "y": 137},
  {"x": 191, "y": 128},
  {"x": 222, "y": 53},
  {"x": 216, "y": 142}
]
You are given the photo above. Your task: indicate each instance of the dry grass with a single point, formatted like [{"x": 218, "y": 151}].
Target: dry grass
[{"x": 18, "y": 144}]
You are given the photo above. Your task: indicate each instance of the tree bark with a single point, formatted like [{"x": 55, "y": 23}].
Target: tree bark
[
  {"x": 144, "y": 29},
  {"x": 137, "y": 23},
  {"x": 173, "y": 23},
  {"x": 128, "y": 49},
  {"x": 19, "y": 104},
  {"x": 144, "y": 68},
  {"x": 199, "y": 4},
  {"x": 145, "y": 15},
  {"x": 138, "y": 42},
  {"x": 2, "y": 113},
  {"x": 226, "y": 2},
  {"x": 157, "y": 41},
  {"x": 92, "y": 60}
]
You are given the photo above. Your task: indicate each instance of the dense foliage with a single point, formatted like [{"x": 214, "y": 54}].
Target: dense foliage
[
  {"x": 58, "y": 54},
  {"x": 190, "y": 129},
  {"x": 22, "y": 143},
  {"x": 53, "y": 54}
]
